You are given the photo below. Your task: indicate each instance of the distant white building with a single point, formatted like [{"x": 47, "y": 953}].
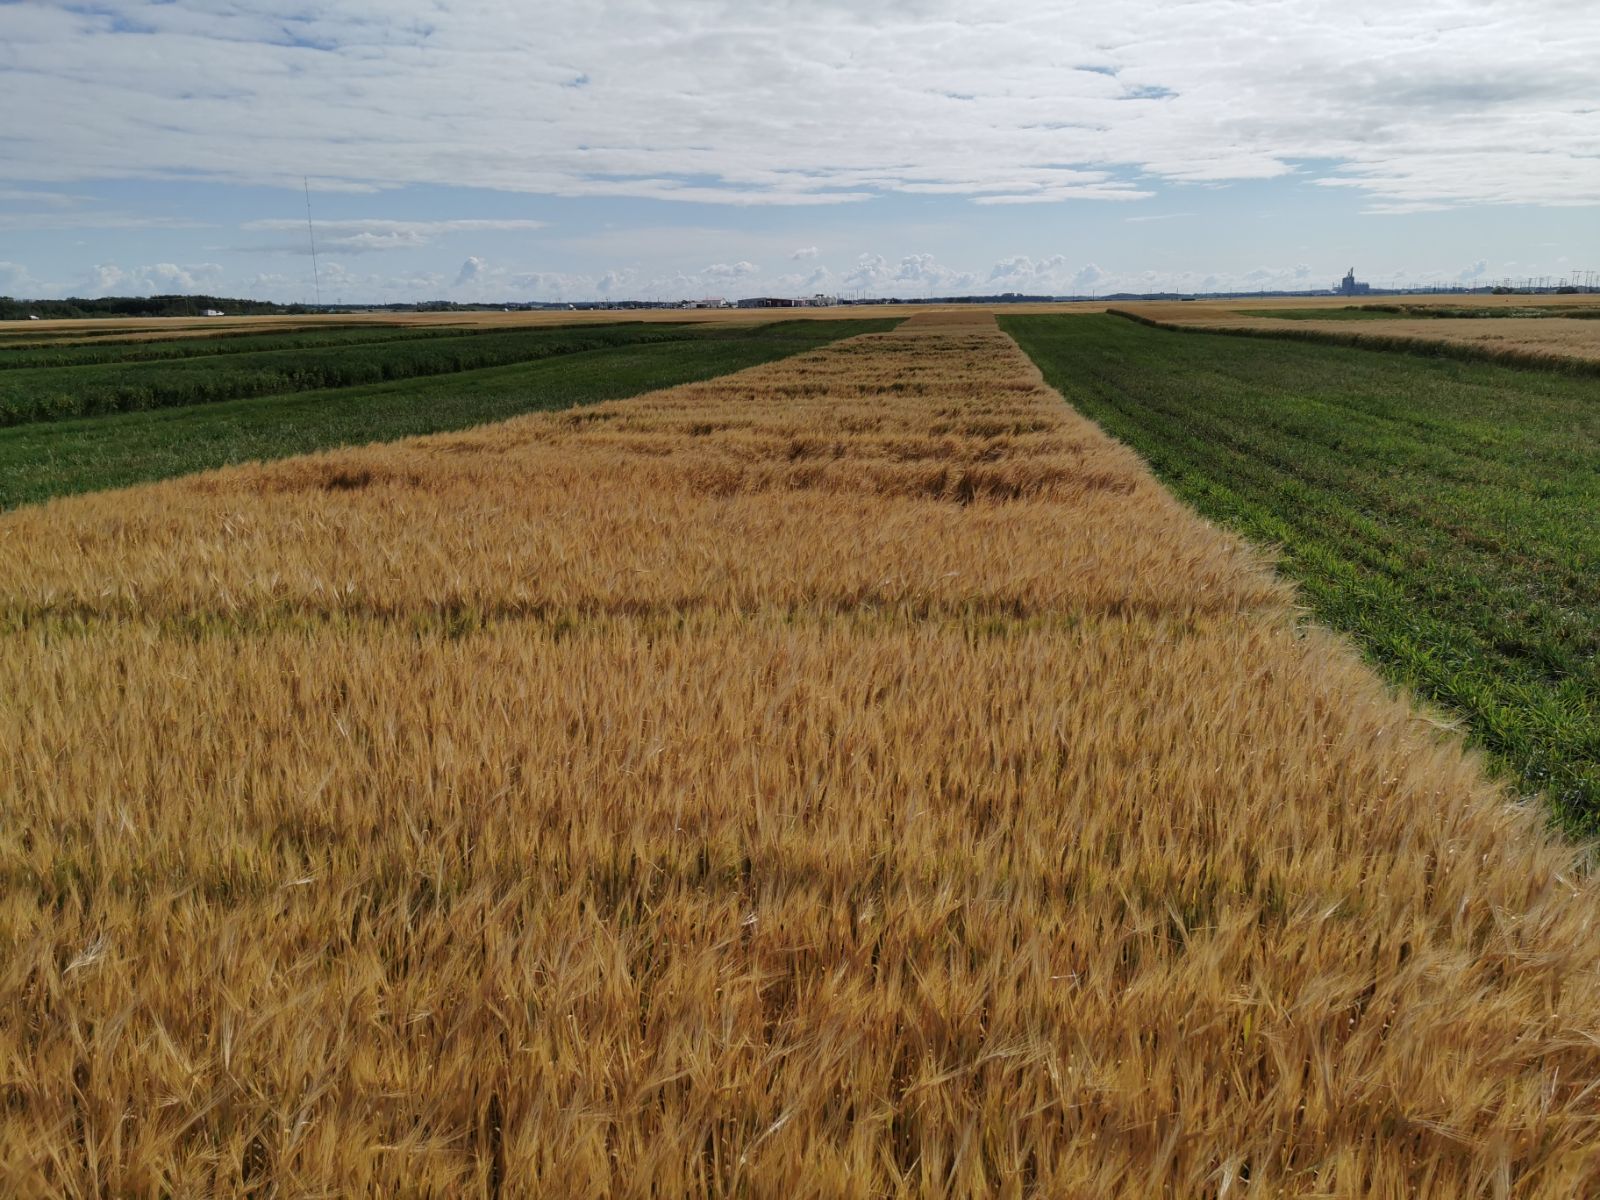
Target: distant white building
[{"x": 213, "y": 312}]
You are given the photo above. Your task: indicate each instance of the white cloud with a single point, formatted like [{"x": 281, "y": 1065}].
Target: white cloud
[
  {"x": 104, "y": 279},
  {"x": 65, "y": 218},
  {"x": 1089, "y": 276},
  {"x": 109, "y": 279},
  {"x": 17, "y": 280},
  {"x": 341, "y": 285},
  {"x": 170, "y": 277},
  {"x": 803, "y": 253},
  {"x": 1022, "y": 269},
  {"x": 738, "y": 270},
  {"x": 365, "y": 236},
  {"x": 913, "y": 275},
  {"x": 1416, "y": 106},
  {"x": 11, "y": 195},
  {"x": 1054, "y": 275}
]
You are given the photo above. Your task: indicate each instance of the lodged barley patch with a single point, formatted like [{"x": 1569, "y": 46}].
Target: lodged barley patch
[{"x": 850, "y": 777}]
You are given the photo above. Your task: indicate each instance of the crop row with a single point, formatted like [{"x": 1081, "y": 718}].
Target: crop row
[
  {"x": 57, "y": 393},
  {"x": 77, "y": 354}
]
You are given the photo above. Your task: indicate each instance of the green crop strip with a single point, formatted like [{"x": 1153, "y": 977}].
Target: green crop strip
[
  {"x": 61, "y": 393},
  {"x": 1442, "y": 512},
  {"x": 81, "y": 354},
  {"x": 58, "y": 458}
]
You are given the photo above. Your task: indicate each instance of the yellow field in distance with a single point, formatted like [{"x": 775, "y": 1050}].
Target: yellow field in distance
[
  {"x": 1557, "y": 338},
  {"x": 1535, "y": 335},
  {"x": 97, "y": 329}
]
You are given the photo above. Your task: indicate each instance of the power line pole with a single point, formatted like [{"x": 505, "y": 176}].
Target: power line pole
[{"x": 316, "y": 277}]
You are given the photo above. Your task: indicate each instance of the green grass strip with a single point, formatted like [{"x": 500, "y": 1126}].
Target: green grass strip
[
  {"x": 61, "y": 393},
  {"x": 80, "y": 354}
]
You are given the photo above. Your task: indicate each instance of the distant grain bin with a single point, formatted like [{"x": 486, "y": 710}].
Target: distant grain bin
[{"x": 1349, "y": 287}]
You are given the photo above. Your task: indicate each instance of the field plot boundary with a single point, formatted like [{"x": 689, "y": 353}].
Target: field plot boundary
[
  {"x": 1422, "y": 311},
  {"x": 1566, "y": 364},
  {"x": 1437, "y": 514},
  {"x": 42, "y": 459}
]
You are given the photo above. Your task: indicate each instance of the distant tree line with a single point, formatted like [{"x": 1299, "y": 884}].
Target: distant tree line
[{"x": 140, "y": 306}]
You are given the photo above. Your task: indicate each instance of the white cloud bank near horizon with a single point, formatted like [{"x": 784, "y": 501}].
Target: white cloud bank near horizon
[
  {"x": 689, "y": 148},
  {"x": 824, "y": 102},
  {"x": 371, "y": 235}
]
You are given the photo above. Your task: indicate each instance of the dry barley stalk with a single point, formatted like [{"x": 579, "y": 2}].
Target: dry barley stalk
[{"x": 851, "y": 777}]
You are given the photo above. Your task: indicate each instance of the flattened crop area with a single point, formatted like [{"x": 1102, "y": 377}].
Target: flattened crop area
[{"x": 850, "y": 777}]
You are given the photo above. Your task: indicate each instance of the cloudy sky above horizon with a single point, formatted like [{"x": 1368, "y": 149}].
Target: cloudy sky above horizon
[{"x": 685, "y": 148}]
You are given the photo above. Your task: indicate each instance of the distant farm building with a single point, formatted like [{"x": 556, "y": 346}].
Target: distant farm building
[
  {"x": 213, "y": 312},
  {"x": 1349, "y": 287},
  {"x": 770, "y": 302}
]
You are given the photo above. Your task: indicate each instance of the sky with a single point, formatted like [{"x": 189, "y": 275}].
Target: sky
[{"x": 515, "y": 151}]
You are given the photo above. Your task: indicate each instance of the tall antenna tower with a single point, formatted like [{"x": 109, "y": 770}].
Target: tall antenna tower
[{"x": 316, "y": 277}]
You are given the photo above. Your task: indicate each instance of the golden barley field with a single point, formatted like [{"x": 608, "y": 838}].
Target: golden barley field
[{"x": 854, "y": 777}]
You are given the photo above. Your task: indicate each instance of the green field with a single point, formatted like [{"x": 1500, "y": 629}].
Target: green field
[
  {"x": 55, "y": 458},
  {"x": 73, "y": 353},
  {"x": 133, "y": 383},
  {"x": 1442, "y": 512}
]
